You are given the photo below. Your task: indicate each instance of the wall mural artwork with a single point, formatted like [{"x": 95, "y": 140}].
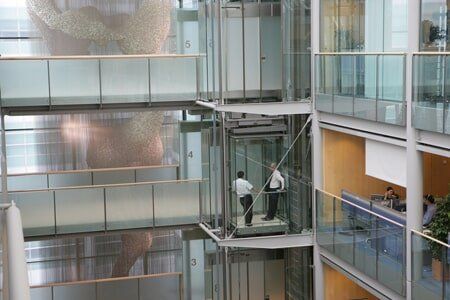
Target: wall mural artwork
[
  {"x": 138, "y": 27},
  {"x": 135, "y": 27}
]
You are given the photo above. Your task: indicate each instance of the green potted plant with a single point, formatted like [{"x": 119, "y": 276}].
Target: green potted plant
[{"x": 440, "y": 228}]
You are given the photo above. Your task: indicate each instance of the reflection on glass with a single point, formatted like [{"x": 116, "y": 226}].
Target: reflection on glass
[
  {"x": 369, "y": 242},
  {"x": 365, "y": 86},
  {"x": 354, "y": 25},
  {"x": 103, "y": 256},
  {"x": 434, "y": 25},
  {"x": 91, "y": 141},
  {"x": 429, "y": 87},
  {"x": 326, "y": 82},
  {"x": 297, "y": 51},
  {"x": 134, "y": 245},
  {"x": 430, "y": 268}
]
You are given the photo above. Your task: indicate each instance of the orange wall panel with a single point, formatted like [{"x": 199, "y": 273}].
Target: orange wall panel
[
  {"x": 339, "y": 287},
  {"x": 344, "y": 167}
]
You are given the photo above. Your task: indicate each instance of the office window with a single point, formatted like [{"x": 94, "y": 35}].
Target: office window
[
  {"x": 363, "y": 25},
  {"x": 434, "y": 25}
]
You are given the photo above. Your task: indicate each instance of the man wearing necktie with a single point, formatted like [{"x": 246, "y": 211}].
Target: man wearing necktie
[{"x": 275, "y": 186}]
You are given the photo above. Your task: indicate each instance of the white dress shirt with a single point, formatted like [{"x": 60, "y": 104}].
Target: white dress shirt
[
  {"x": 242, "y": 187},
  {"x": 276, "y": 180},
  {"x": 429, "y": 214}
]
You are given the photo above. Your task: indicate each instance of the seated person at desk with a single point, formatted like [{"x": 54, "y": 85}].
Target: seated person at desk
[
  {"x": 431, "y": 210},
  {"x": 391, "y": 199}
]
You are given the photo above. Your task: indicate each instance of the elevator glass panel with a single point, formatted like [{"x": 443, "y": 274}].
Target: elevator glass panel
[{"x": 253, "y": 156}]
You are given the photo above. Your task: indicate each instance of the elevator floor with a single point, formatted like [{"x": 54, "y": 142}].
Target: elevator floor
[{"x": 259, "y": 226}]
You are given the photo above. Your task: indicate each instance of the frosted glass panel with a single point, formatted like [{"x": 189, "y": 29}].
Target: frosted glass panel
[
  {"x": 79, "y": 210},
  {"x": 160, "y": 288},
  {"x": 70, "y": 179},
  {"x": 74, "y": 292},
  {"x": 125, "y": 176},
  {"x": 118, "y": 290},
  {"x": 24, "y": 83},
  {"x": 169, "y": 173},
  {"x": 176, "y": 203},
  {"x": 37, "y": 211},
  {"x": 190, "y": 158},
  {"x": 125, "y": 80},
  {"x": 74, "y": 82},
  {"x": 271, "y": 52},
  {"x": 173, "y": 79},
  {"x": 28, "y": 182},
  {"x": 41, "y": 293},
  {"x": 129, "y": 207},
  {"x": 391, "y": 78}
]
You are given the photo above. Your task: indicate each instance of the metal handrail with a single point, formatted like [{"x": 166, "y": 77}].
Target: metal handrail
[
  {"x": 94, "y": 170},
  {"x": 362, "y": 208},
  {"x": 430, "y": 238},
  {"x": 92, "y": 57},
  {"x": 179, "y": 274},
  {"x": 99, "y": 186},
  {"x": 430, "y": 53},
  {"x": 360, "y": 53}
]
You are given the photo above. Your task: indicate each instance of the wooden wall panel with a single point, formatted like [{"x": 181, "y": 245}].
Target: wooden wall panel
[
  {"x": 436, "y": 173},
  {"x": 339, "y": 287},
  {"x": 344, "y": 167}
]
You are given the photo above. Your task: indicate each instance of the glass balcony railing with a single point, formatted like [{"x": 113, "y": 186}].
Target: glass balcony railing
[
  {"x": 111, "y": 206},
  {"x": 101, "y": 80},
  {"x": 362, "y": 85},
  {"x": 160, "y": 286},
  {"x": 431, "y": 92},
  {"x": 430, "y": 268},
  {"x": 371, "y": 243}
]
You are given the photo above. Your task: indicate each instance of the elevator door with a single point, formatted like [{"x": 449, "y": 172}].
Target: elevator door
[{"x": 253, "y": 155}]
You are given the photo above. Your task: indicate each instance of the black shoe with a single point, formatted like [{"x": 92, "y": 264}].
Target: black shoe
[
  {"x": 265, "y": 219},
  {"x": 249, "y": 225}
]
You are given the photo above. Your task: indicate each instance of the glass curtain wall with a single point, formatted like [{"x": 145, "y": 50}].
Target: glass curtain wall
[
  {"x": 251, "y": 51},
  {"x": 434, "y": 25},
  {"x": 121, "y": 27},
  {"x": 296, "y": 49},
  {"x": 365, "y": 85},
  {"x": 431, "y": 93},
  {"x": 130, "y": 168},
  {"x": 260, "y": 274},
  {"x": 346, "y": 27},
  {"x": 169, "y": 264}
]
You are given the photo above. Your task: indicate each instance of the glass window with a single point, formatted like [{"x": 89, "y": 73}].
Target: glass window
[
  {"x": 434, "y": 24},
  {"x": 346, "y": 26}
]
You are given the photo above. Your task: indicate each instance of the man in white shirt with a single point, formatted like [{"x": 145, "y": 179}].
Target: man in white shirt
[
  {"x": 276, "y": 185},
  {"x": 243, "y": 189}
]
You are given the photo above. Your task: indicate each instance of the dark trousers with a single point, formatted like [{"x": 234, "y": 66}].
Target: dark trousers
[
  {"x": 247, "y": 202},
  {"x": 273, "y": 203}
]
